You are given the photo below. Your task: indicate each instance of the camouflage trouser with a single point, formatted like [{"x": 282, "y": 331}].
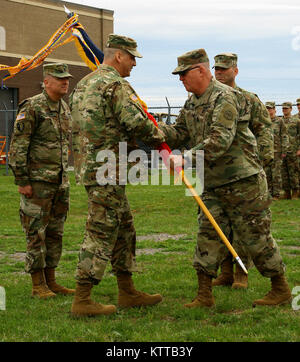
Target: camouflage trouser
[
  {"x": 110, "y": 234},
  {"x": 42, "y": 218},
  {"x": 290, "y": 172},
  {"x": 274, "y": 177},
  {"x": 241, "y": 209}
]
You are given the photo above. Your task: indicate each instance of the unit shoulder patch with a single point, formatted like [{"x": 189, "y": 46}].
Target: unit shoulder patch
[{"x": 227, "y": 116}]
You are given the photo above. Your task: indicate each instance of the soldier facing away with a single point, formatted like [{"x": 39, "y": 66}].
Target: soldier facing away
[
  {"x": 235, "y": 189},
  {"x": 281, "y": 146},
  {"x": 226, "y": 71},
  {"x": 109, "y": 113},
  {"x": 39, "y": 161}
]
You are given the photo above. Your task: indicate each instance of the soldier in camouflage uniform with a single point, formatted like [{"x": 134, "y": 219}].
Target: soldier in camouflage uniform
[
  {"x": 281, "y": 146},
  {"x": 290, "y": 165},
  {"x": 260, "y": 124},
  {"x": 108, "y": 112},
  {"x": 297, "y": 115},
  {"x": 39, "y": 161},
  {"x": 235, "y": 189},
  {"x": 297, "y": 118}
]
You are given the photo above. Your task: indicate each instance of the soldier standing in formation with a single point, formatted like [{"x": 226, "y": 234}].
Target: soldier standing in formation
[
  {"x": 235, "y": 189},
  {"x": 109, "y": 113},
  {"x": 290, "y": 167},
  {"x": 281, "y": 146},
  {"x": 297, "y": 116},
  {"x": 260, "y": 124},
  {"x": 39, "y": 161}
]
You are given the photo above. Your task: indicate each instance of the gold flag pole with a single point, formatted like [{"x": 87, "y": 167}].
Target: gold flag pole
[{"x": 212, "y": 220}]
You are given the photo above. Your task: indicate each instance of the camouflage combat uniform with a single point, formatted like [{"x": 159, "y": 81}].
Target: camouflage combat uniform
[
  {"x": 235, "y": 189},
  {"x": 79, "y": 142},
  {"x": 107, "y": 110},
  {"x": 261, "y": 126},
  {"x": 290, "y": 164},
  {"x": 297, "y": 118},
  {"x": 281, "y": 146},
  {"x": 39, "y": 157}
]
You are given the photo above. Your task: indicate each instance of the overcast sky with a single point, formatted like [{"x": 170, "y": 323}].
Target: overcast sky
[{"x": 265, "y": 34}]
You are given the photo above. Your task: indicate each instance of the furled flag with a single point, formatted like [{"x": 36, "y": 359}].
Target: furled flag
[
  {"x": 87, "y": 50},
  {"x": 54, "y": 42}
]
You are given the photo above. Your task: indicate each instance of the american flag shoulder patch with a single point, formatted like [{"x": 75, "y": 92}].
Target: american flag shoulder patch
[
  {"x": 134, "y": 98},
  {"x": 20, "y": 116}
]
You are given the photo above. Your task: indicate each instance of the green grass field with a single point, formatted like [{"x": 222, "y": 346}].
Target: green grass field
[{"x": 166, "y": 226}]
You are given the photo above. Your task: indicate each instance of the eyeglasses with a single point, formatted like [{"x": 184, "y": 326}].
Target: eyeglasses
[{"x": 188, "y": 70}]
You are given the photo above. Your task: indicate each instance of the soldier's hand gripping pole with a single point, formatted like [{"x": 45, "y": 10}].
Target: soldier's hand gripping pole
[
  {"x": 212, "y": 220},
  {"x": 179, "y": 170}
]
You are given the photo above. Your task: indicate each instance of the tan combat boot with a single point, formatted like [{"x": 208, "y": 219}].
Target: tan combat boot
[
  {"x": 294, "y": 195},
  {"x": 130, "y": 297},
  {"x": 83, "y": 305},
  {"x": 226, "y": 276},
  {"x": 204, "y": 297},
  {"x": 39, "y": 286},
  {"x": 51, "y": 282},
  {"x": 279, "y": 294},
  {"x": 240, "y": 279}
]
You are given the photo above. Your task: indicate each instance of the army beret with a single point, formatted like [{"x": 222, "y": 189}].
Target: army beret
[{"x": 298, "y": 101}]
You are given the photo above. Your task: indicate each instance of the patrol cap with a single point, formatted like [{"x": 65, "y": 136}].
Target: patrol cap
[
  {"x": 287, "y": 105},
  {"x": 298, "y": 101},
  {"x": 187, "y": 60},
  {"x": 124, "y": 43},
  {"x": 58, "y": 70},
  {"x": 270, "y": 104},
  {"x": 225, "y": 60}
]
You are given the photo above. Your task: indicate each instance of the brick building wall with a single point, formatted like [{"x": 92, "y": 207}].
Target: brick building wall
[{"x": 27, "y": 25}]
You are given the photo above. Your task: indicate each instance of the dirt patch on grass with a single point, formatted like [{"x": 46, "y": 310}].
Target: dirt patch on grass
[
  {"x": 160, "y": 237},
  {"x": 235, "y": 312},
  {"x": 150, "y": 251},
  {"x": 290, "y": 247},
  {"x": 18, "y": 256},
  {"x": 154, "y": 251},
  {"x": 292, "y": 255}
]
